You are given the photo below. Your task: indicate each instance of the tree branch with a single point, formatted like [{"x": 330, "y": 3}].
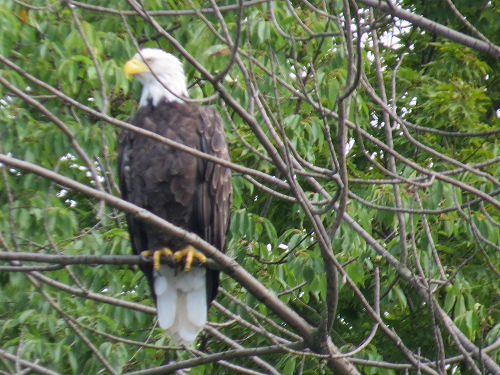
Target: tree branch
[{"x": 426, "y": 24}]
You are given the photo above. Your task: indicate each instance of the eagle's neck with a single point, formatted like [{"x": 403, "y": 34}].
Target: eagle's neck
[{"x": 155, "y": 92}]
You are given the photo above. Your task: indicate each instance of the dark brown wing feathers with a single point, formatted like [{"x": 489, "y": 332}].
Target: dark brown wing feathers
[{"x": 189, "y": 192}]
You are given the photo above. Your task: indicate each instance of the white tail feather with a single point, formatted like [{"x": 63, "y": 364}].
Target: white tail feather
[{"x": 181, "y": 302}]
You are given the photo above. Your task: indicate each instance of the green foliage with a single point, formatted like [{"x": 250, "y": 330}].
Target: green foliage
[{"x": 297, "y": 67}]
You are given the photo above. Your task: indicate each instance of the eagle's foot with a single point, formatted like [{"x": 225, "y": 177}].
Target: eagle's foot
[
  {"x": 157, "y": 255},
  {"x": 189, "y": 253}
]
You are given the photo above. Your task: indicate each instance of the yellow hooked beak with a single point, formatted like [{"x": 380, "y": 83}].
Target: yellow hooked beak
[{"x": 134, "y": 67}]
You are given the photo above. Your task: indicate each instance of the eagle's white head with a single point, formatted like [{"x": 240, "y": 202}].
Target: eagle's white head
[{"x": 160, "y": 73}]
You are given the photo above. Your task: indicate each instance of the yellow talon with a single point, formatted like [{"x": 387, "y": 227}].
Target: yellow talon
[
  {"x": 189, "y": 253},
  {"x": 157, "y": 255}
]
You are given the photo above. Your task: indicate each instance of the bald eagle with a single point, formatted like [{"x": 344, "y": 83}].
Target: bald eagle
[{"x": 187, "y": 191}]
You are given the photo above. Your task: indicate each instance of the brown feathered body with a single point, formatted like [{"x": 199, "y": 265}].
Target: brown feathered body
[{"x": 187, "y": 191}]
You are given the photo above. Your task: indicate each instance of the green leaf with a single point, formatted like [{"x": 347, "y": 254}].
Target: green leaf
[
  {"x": 289, "y": 368},
  {"x": 401, "y": 296},
  {"x": 270, "y": 231},
  {"x": 460, "y": 306},
  {"x": 73, "y": 361},
  {"x": 449, "y": 301}
]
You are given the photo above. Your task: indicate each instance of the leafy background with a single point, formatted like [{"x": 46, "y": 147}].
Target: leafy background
[{"x": 314, "y": 93}]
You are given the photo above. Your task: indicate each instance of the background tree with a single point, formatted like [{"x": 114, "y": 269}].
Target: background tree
[{"x": 365, "y": 153}]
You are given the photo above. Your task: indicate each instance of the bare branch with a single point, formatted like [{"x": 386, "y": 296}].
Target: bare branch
[
  {"x": 28, "y": 364},
  {"x": 435, "y": 27}
]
